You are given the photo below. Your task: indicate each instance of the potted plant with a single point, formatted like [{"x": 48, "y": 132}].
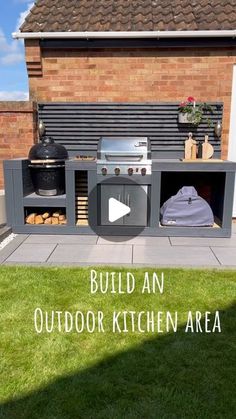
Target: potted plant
[{"x": 192, "y": 112}]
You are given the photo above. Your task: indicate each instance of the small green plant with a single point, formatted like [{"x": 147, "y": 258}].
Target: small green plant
[{"x": 196, "y": 111}]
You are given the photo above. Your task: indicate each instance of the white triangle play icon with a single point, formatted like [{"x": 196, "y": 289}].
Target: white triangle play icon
[{"x": 117, "y": 210}]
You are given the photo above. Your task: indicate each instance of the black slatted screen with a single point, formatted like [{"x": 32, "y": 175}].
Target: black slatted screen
[{"x": 79, "y": 126}]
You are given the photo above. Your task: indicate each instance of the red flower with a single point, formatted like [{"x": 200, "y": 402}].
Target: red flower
[
  {"x": 191, "y": 99},
  {"x": 182, "y": 104}
]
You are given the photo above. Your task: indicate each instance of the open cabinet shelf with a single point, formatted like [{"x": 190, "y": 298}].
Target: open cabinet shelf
[
  {"x": 35, "y": 200},
  {"x": 209, "y": 186}
]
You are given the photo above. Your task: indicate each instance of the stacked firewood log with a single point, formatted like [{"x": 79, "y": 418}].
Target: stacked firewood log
[{"x": 56, "y": 217}]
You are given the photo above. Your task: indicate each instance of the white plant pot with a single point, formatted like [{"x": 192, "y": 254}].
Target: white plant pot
[
  {"x": 183, "y": 118},
  {"x": 2, "y": 207}
]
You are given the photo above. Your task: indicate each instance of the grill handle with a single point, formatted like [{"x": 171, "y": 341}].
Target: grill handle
[
  {"x": 116, "y": 157},
  {"x": 128, "y": 201}
]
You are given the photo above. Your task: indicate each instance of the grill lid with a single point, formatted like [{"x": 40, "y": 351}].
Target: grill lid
[
  {"x": 124, "y": 148},
  {"x": 47, "y": 149}
]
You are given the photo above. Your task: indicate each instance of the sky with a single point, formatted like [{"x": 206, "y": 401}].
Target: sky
[{"x": 13, "y": 75}]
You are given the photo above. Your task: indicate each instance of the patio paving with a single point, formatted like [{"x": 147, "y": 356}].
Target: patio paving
[{"x": 138, "y": 251}]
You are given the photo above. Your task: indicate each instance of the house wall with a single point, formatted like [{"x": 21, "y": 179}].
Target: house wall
[
  {"x": 17, "y": 131},
  {"x": 132, "y": 76}
]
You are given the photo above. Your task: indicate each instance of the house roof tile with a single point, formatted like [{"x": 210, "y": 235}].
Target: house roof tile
[{"x": 128, "y": 15}]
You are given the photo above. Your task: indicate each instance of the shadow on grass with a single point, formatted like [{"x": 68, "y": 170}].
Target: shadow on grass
[{"x": 180, "y": 375}]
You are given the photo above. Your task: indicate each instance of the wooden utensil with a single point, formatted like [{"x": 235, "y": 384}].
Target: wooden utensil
[
  {"x": 188, "y": 147},
  {"x": 207, "y": 149},
  {"x": 194, "y": 150}
]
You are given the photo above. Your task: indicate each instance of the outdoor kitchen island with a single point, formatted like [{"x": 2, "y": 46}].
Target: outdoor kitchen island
[{"x": 213, "y": 180}]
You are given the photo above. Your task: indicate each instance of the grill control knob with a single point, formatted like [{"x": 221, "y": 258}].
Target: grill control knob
[
  {"x": 117, "y": 170},
  {"x": 143, "y": 171},
  {"x": 130, "y": 171},
  {"x": 104, "y": 170}
]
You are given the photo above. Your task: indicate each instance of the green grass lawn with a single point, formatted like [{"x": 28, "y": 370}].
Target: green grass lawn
[{"x": 62, "y": 375}]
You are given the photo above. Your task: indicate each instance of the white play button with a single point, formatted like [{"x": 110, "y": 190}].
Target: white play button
[{"x": 117, "y": 210}]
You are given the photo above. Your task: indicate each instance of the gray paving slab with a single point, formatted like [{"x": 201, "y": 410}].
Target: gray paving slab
[
  {"x": 105, "y": 254},
  {"x": 63, "y": 239},
  {"x": 28, "y": 253},
  {"x": 139, "y": 240},
  {"x": 204, "y": 241},
  {"x": 174, "y": 256},
  {"x": 85, "y": 250},
  {"x": 226, "y": 256},
  {"x": 12, "y": 246}
]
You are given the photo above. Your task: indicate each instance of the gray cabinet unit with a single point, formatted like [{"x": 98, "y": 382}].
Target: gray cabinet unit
[
  {"x": 145, "y": 195},
  {"x": 134, "y": 196}
]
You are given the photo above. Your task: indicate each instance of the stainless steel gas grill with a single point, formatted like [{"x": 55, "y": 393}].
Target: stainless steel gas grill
[
  {"x": 124, "y": 156},
  {"x": 124, "y": 167}
]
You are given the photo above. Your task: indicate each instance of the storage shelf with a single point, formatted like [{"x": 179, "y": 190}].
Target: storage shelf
[
  {"x": 34, "y": 200},
  {"x": 154, "y": 232},
  {"x": 52, "y": 229}
]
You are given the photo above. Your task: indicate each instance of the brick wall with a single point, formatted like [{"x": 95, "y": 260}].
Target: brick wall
[
  {"x": 132, "y": 76},
  {"x": 17, "y": 131}
]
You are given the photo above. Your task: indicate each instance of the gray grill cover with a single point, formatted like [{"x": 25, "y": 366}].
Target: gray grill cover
[{"x": 187, "y": 209}]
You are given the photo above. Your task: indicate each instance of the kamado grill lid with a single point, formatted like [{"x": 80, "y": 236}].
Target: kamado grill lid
[{"x": 47, "y": 150}]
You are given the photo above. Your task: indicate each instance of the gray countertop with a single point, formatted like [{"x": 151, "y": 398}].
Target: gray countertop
[
  {"x": 166, "y": 165},
  {"x": 159, "y": 165},
  {"x": 179, "y": 165}
]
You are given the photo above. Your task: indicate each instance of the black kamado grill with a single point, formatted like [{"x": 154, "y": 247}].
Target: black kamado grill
[{"x": 47, "y": 165}]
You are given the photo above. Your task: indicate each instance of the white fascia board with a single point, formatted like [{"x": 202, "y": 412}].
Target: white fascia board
[{"x": 120, "y": 35}]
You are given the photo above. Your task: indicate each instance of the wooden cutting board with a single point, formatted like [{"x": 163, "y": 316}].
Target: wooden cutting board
[
  {"x": 207, "y": 149},
  {"x": 188, "y": 147}
]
